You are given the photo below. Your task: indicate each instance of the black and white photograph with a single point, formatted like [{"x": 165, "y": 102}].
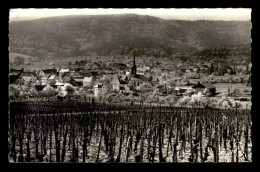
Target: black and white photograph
[{"x": 120, "y": 85}]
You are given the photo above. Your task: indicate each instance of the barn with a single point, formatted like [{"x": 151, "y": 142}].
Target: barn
[{"x": 200, "y": 88}]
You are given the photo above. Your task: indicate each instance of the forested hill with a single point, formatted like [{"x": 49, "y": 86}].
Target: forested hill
[{"x": 118, "y": 34}]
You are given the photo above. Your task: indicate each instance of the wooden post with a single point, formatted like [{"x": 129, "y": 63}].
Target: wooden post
[
  {"x": 200, "y": 142},
  {"x": 120, "y": 144},
  {"x": 128, "y": 147},
  {"x": 216, "y": 146},
  {"x": 175, "y": 159},
  {"x": 64, "y": 145},
  {"x": 99, "y": 146},
  {"x": 141, "y": 150},
  {"x": 50, "y": 144},
  {"x": 28, "y": 158}
]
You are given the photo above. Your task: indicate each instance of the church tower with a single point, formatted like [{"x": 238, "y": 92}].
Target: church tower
[{"x": 133, "y": 70}]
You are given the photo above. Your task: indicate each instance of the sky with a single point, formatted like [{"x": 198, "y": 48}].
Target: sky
[{"x": 240, "y": 14}]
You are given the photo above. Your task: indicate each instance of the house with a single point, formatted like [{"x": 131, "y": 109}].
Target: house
[
  {"x": 153, "y": 80},
  {"x": 58, "y": 84},
  {"x": 45, "y": 79},
  {"x": 64, "y": 70},
  {"x": 124, "y": 89},
  {"x": 29, "y": 76},
  {"x": 61, "y": 72},
  {"x": 182, "y": 89},
  {"x": 66, "y": 78},
  {"x": 13, "y": 77},
  {"x": 41, "y": 73},
  {"x": 77, "y": 81},
  {"x": 99, "y": 89},
  {"x": 58, "y": 79},
  {"x": 87, "y": 81},
  {"x": 200, "y": 88},
  {"x": 53, "y": 79},
  {"x": 52, "y": 71},
  {"x": 115, "y": 83},
  {"x": 141, "y": 71}
]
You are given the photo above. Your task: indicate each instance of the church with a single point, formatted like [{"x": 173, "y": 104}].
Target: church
[{"x": 135, "y": 80}]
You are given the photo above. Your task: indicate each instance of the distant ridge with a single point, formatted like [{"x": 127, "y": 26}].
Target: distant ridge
[{"x": 116, "y": 35}]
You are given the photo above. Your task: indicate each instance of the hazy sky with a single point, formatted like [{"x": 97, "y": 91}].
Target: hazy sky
[{"x": 170, "y": 13}]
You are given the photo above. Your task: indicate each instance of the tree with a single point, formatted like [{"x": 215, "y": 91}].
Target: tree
[
  {"x": 69, "y": 89},
  {"x": 236, "y": 92},
  {"x": 170, "y": 99},
  {"x": 155, "y": 96},
  {"x": 160, "y": 86},
  {"x": 18, "y": 60},
  {"x": 206, "y": 91},
  {"x": 49, "y": 92},
  {"x": 146, "y": 87},
  {"x": 190, "y": 92},
  {"x": 14, "y": 92},
  {"x": 184, "y": 101},
  {"x": 195, "y": 100},
  {"x": 52, "y": 82}
]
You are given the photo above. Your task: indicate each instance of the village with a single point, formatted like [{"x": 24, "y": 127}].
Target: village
[
  {"x": 128, "y": 87},
  {"x": 137, "y": 80}
]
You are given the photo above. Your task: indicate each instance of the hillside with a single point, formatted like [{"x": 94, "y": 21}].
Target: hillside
[{"x": 118, "y": 34}]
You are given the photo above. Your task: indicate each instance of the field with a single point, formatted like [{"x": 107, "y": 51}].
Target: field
[
  {"x": 81, "y": 132},
  {"x": 221, "y": 87}
]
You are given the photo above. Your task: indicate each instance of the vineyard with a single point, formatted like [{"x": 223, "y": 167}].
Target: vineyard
[{"x": 72, "y": 131}]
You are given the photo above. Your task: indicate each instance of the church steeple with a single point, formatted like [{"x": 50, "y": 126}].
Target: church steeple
[{"x": 133, "y": 70}]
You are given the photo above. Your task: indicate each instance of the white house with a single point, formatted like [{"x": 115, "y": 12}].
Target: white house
[
  {"x": 87, "y": 81},
  {"x": 40, "y": 73},
  {"x": 115, "y": 83},
  {"x": 45, "y": 79},
  {"x": 99, "y": 89},
  {"x": 64, "y": 70}
]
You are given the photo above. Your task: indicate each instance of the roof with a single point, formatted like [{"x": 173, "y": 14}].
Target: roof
[
  {"x": 87, "y": 79},
  {"x": 64, "y": 70},
  {"x": 139, "y": 77},
  {"x": 52, "y": 77},
  {"x": 49, "y": 71},
  {"x": 66, "y": 74},
  {"x": 26, "y": 77},
  {"x": 78, "y": 79},
  {"x": 209, "y": 86},
  {"x": 186, "y": 87},
  {"x": 46, "y": 77},
  {"x": 115, "y": 80},
  {"x": 29, "y": 74},
  {"x": 141, "y": 69},
  {"x": 59, "y": 83},
  {"x": 16, "y": 71}
]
